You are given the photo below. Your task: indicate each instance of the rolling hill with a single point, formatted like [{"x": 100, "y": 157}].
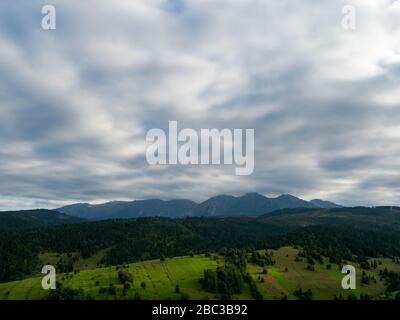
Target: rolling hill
[
  {"x": 339, "y": 233},
  {"x": 28, "y": 219},
  {"x": 161, "y": 277},
  {"x": 377, "y": 218}
]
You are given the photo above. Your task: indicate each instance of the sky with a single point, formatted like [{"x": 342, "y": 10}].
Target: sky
[{"x": 76, "y": 102}]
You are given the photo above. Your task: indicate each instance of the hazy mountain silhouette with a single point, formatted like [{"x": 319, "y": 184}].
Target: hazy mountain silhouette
[{"x": 250, "y": 204}]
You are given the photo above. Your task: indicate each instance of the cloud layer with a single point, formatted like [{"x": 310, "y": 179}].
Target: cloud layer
[{"x": 76, "y": 102}]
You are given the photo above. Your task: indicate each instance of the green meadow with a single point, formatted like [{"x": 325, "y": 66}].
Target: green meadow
[
  {"x": 155, "y": 279},
  {"x": 152, "y": 279},
  {"x": 287, "y": 275}
]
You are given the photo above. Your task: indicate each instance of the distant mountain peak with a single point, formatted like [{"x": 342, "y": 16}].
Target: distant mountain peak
[
  {"x": 254, "y": 194},
  {"x": 324, "y": 204},
  {"x": 288, "y": 196},
  {"x": 222, "y": 196}
]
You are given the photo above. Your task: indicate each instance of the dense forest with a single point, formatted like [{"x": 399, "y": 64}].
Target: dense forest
[
  {"x": 339, "y": 234},
  {"x": 229, "y": 279}
]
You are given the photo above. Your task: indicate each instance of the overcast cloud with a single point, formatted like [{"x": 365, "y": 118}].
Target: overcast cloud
[{"x": 76, "y": 102}]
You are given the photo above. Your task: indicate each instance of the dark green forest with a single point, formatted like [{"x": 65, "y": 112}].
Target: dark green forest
[{"x": 340, "y": 234}]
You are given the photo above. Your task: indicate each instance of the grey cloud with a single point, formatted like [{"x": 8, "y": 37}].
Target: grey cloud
[
  {"x": 347, "y": 163},
  {"x": 75, "y": 104}
]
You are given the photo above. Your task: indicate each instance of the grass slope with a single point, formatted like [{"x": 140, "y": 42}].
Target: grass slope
[
  {"x": 161, "y": 277},
  {"x": 324, "y": 283}
]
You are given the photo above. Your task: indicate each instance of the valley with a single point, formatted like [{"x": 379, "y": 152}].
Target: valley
[{"x": 158, "y": 280}]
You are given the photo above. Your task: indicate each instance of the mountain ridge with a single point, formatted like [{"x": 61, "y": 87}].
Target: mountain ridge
[
  {"x": 249, "y": 204},
  {"x": 36, "y": 218}
]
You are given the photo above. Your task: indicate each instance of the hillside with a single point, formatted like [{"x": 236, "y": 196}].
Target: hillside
[
  {"x": 155, "y": 279},
  {"x": 251, "y": 204},
  {"x": 339, "y": 234},
  {"x": 362, "y": 217},
  {"x": 29, "y": 219}
]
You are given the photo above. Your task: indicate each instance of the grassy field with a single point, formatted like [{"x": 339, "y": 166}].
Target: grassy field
[
  {"x": 157, "y": 279},
  {"x": 160, "y": 279},
  {"x": 287, "y": 275}
]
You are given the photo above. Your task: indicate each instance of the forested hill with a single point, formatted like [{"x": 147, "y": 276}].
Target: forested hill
[
  {"x": 29, "y": 219},
  {"x": 376, "y": 218},
  {"x": 335, "y": 233}
]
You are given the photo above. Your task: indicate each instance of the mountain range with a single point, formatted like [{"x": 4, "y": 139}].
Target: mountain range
[{"x": 250, "y": 204}]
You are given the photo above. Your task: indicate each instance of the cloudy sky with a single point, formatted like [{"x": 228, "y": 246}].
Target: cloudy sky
[{"x": 76, "y": 102}]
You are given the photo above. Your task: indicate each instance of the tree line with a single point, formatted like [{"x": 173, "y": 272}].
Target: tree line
[{"x": 141, "y": 239}]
